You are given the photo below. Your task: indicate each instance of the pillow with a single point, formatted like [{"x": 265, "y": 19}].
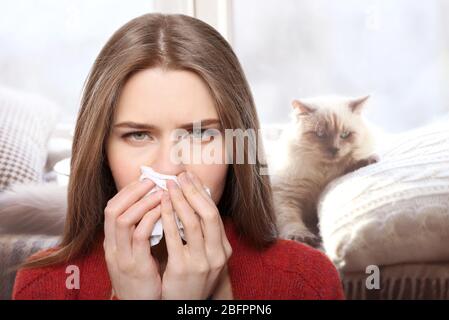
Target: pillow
[
  {"x": 394, "y": 211},
  {"x": 26, "y": 122}
]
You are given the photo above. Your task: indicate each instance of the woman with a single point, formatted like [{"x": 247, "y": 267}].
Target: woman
[{"x": 160, "y": 73}]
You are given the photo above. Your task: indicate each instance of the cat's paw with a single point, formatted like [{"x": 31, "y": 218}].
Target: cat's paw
[
  {"x": 362, "y": 163},
  {"x": 301, "y": 235},
  {"x": 372, "y": 159}
]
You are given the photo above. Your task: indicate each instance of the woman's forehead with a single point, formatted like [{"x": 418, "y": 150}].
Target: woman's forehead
[{"x": 172, "y": 96}]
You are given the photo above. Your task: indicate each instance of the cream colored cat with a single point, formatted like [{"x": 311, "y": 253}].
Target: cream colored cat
[{"x": 326, "y": 138}]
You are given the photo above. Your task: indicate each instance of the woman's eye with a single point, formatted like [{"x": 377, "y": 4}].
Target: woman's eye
[
  {"x": 200, "y": 135},
  {"x": 136, "y": 136},
  {"x": 345, "y": 134}
]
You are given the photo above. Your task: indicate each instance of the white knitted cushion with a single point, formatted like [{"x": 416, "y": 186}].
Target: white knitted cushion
[
  {"x": 26, "y": 121},
  {"x": 393, "y": 211}
]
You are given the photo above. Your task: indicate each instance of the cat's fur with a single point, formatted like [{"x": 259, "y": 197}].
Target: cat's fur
[
  {"x": 308, "y": 160},
  {"x": 33, "y": 209}
]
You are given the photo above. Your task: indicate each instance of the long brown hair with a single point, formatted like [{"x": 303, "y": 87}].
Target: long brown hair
[{"x": 175, "y": 42}]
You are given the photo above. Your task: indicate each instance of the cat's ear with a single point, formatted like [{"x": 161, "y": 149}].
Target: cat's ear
[
  {"x": 358, "y": 104},
  {"x": 301, "y": 108}
]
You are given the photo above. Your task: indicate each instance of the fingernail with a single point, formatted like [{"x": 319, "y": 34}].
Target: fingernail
[
  {"x": 190, "y": 174},
  {"x": 185, "y": 177},
  {"x": 165, "y": 196},
  {"x": 173, "y": 184}
]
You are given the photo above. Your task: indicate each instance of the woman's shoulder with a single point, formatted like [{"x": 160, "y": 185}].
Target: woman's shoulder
[
  {"x": 312, "y": 271},
  {"x": 284, "y": 270},
  {"x": 84, "y": 276},
  {"x": 287, "y": 254},
  {"x": 39, "y": 282}
]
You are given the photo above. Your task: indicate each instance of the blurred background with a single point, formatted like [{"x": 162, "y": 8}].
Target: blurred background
[{"x": 395, "y": 50}]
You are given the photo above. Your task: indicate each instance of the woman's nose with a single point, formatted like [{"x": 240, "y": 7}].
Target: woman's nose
[{"x": 166, "y": 160}]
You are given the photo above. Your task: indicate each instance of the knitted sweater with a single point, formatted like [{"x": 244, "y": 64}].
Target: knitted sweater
[{"x": 285, "y": 270}]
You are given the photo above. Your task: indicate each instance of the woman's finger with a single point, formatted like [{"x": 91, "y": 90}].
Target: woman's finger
[
  {"x": 141, "y": 236},
  {"x": 200, "y": 186},
  {"x": 125, "y": 223},
  {"x": 119, "y": 203},
  {"x": 130, "y": 194},
  {"x": 190, "y": 221},
  {"x": 172, "y": 237},
  {"x": 208, "y": 213}
]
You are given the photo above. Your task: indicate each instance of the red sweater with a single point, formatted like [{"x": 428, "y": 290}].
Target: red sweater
[{"x": 286, "y": 270}]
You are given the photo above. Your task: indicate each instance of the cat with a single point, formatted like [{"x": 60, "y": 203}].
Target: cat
[
  {"x": 326, "y": 139},
  {"x": 33, "y": 208}
]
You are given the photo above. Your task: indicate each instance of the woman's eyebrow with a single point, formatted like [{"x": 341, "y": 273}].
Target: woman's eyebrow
[
  {"x": 203, "y": 123},
  {"x": 134, "y": 125},
  {"x": 144, "y": 126}
]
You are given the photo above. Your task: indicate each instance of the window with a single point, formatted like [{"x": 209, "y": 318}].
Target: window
[
  {"x": 49, "y": 46},
  {"x": 396, "y": 51}
]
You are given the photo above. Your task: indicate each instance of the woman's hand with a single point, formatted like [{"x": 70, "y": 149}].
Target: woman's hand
[
  {"x": 194, "y": 269},
  {"x": 133, "y": 271}
]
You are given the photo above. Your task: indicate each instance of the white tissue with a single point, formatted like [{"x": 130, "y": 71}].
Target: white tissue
[{"x": 161, "y": 180}]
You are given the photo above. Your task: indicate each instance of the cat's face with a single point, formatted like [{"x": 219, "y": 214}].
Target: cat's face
[{"x": 332, "y": 128}]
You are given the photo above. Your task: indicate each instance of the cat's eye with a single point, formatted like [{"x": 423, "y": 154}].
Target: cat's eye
[
  {"x": 319, "y": 133},
  {"x": 345, "y": 134}
]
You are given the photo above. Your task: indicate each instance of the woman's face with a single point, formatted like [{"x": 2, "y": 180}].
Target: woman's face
[{"x": 153, "y": 104}]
